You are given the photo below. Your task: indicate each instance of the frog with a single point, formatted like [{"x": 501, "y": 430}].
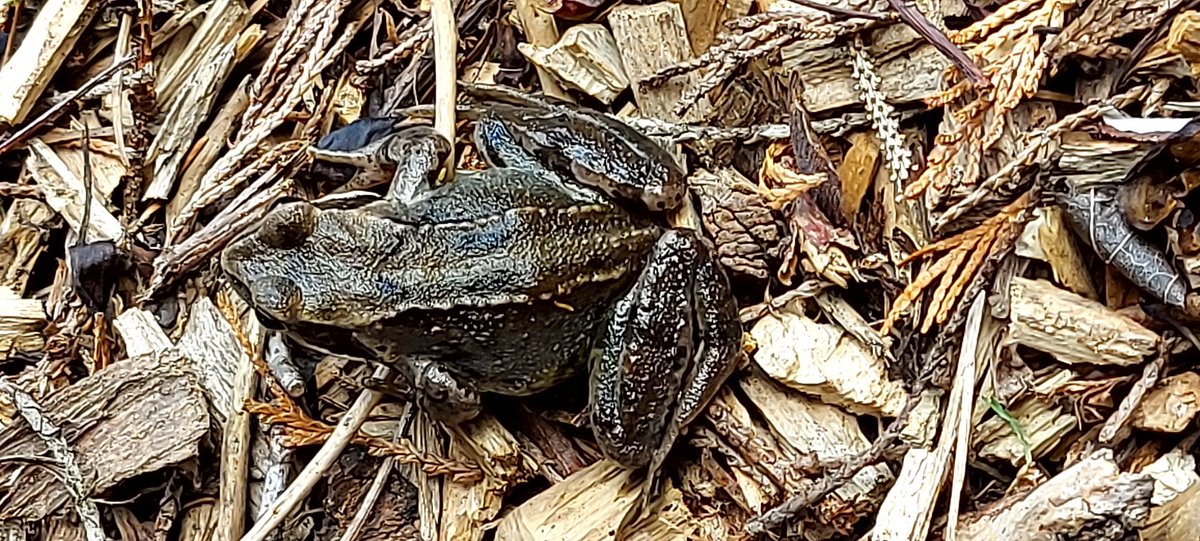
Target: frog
[{"x": 547, "y": 265}]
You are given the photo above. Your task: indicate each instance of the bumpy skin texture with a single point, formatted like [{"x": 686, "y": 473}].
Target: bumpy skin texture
[{"x": 508, "y": 280}]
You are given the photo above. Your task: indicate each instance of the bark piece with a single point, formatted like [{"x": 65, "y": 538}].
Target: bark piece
[
  {"x": 21, "y": 323},
  {"x": 135, "y": 417},
  {"x": 1063, "y": 254},
  {"x": 585, "y": 58},
  {"x": 1043, "y": 425},
  {"x": 209, "y": 341},
  {"x": 1171, "y": 405},
  {"x": 43, "y": 49},
  {"x": 909, "y": 68},
  {"x": 1174, "y": 473},
  {"x": 1092, "y": 497},
  {"x": 825, "y": 361},
  {"x": 652, "y": 37},
  {"x": 1075, "y": 329},
  {"x": 1177, "y": 519}
]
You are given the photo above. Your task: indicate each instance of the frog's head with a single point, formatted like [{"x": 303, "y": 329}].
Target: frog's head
[{"x": 252, "y": 266}]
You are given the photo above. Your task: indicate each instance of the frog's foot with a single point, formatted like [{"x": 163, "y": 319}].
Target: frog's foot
[
  {"x": 439, "y": 393},
  {"x": 669, "y": 345}
]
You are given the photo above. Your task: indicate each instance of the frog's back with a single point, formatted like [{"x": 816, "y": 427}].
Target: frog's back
[{"x": 510, "y": 298}]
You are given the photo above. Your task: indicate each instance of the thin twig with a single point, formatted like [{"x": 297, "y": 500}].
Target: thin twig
[
  {"x": 59, "y": 108},
  {"x": 917, "y": 21},
  {"x": 291, "y": 498},
  {"x": 445, "y": 66}
]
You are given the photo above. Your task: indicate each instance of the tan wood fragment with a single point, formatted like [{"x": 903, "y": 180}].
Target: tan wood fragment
[
  {"x": 184, "y": 117},
  {"x": 466, "y": 509},
  {"x": 1174, "y": 473},
  {"x": 825, "y": 361},
  {"x": 223, "y": 21},
  {"x": 1089, "y": 161},
  {"x": 540, "y": 31},
  {"x": 199, "y": 522},
  {"x": 808, "y": 426},
  {"x": 104, "y": 160},
  {"x": 1093, "y": 493},
  {"x": 1171, "y": 405},
  {"x": 728, "y": 413},
  {"x": 21, "y": 323},
  {"x": 65, "y": 193},
  {"x": 589, "y": 505},
  {"x": 1075, "y": 329},
  {"x": 585, "y": 58},
  {"x": 428, "y": 437},
  {"x": 141, "y": 333},
  {"x": 857, "y": 170},
  {"x": 706, "y": 19},
  {"x": 1063, "y": 253},
  {"x": 135, "y": 417},
  {"x": 23, "y": 235},
  {"x": 496, "y": 449},
  {"x": 652, "y": 37},
  {"x": 44, "y": 47}
]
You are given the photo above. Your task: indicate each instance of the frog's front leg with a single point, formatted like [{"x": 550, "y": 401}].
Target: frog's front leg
[
  {"x": 435, "y": 389},
  {"x": 669, "y": 345}
]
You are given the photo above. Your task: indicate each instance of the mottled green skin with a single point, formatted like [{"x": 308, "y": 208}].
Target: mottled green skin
[{"x": 510, "y": 280}]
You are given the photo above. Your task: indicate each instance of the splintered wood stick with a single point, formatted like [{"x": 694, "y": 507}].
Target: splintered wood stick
[{"x": 445, "y": 67}]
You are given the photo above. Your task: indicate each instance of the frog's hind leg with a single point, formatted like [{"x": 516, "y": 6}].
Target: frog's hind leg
[
  {"x": 498, "y": 145},
  {"x": 669, "y": 345}
]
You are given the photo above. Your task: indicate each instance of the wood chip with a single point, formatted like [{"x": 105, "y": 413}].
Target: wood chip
[
  {"x": 1042, "y": 423},
  {"x": 825, "y": 361},
  {"x": 1092, "y": 494},
  {"x": 585, "y": 58},
  {"x": 652, "y": 37},
  {"x": 44, "y": 47},
  {"x": 141, "y": 333},
  {"x": 1171, "y": 405},
  {"x": 590, "y": 505},
  {"x": 21, "y": 323},
  {"x": 65, "y": 193},
  {"x": 23, "y": 236},
  {"x": 214, "y": 349},
  {"x": 810, "y": 427},
  {"x": 1075, "y": 329},
  {"x": 135, "y": 417}
]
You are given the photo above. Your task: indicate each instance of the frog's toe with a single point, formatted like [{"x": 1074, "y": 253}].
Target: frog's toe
[
  {"x": 277, "y": 296},
  {"x": 288, "y": 226}
]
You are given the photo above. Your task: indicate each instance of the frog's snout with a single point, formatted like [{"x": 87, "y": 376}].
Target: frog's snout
[
  {"x": 277, "y": 296},
  {"x": 289, "y": 226}
]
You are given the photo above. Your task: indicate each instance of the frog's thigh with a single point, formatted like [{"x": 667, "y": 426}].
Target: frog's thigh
[{"x": 644, "y": 355}]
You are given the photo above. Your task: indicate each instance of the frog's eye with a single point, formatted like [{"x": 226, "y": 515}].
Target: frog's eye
[
  {"x": 289, "y": 225},
  {"x": 278, "y": 297}
]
